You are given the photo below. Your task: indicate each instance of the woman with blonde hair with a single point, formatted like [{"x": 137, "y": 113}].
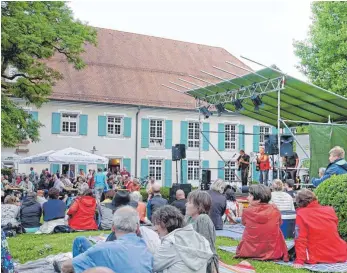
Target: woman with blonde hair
[{"x": 219, "y": 203}]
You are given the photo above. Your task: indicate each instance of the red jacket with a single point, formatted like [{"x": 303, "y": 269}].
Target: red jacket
[
  {"x": 262, "y": 238},
  {"x": 82, "y": 213},
  {"x": 317, "y": 239}
]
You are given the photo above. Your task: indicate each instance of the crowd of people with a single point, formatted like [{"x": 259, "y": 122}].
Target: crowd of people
[{"x": 176, "y": 237}]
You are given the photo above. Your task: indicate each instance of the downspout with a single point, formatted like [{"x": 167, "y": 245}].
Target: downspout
[{"x": 136, "y": 138}]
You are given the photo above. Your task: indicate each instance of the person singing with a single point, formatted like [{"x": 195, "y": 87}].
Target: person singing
[
  {"x": 263, "y": 163},
  {"x": 243, "y": 162}
]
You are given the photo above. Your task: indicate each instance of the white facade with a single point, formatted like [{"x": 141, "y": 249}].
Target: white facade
[{"x": 121, "y": 147}]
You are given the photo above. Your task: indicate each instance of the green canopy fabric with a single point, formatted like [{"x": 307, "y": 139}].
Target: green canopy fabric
[{"x": 300, "y": 101}]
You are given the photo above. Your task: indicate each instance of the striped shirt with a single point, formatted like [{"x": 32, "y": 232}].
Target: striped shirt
[{"x": 282, "y": 200}]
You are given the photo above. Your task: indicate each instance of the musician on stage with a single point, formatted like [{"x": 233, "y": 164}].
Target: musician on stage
[
  {"x": 243, "y": 162},
  {"x": 263, "y": 164},
  {"x": 291, "y": 162}
]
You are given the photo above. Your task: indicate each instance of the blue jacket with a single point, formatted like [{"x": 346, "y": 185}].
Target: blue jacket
[
  {"x": 339, "y": 166},
  {"x": 53, "y": 209},
  {"x": 156, "y": 202},
  {"x": 128, "y": 253}
]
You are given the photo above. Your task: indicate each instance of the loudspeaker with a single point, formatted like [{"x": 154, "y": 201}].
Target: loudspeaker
[
  {"x": 187, "y": 188},
  {"x": 206, "y": 180},
  {"x": 178, "y": 152},
  {"x": 287, "y": 145},
  {"x": 271, "y": 144}
]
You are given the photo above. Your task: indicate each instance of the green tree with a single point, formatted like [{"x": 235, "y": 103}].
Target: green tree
[
  {"x": 32, "y": 32},
  {"x": 323, "y": 54}
]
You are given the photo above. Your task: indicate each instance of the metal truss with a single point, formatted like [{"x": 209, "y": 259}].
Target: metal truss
[{"x": 257, "y": 88}]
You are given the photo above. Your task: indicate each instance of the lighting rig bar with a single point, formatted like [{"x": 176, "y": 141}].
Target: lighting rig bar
[{"x": 257, "y": 88}]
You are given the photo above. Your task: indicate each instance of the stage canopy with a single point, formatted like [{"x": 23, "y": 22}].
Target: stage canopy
[{"x": 299, "y": 101}]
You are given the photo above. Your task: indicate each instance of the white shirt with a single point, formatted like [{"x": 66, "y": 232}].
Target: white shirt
[{"x": 282, "y": 200}]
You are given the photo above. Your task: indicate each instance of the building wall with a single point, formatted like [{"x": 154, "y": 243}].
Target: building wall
[{"x": 124, "y": 147}]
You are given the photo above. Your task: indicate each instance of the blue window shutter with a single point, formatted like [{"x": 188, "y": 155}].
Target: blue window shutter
[
  {"x": 127, "y": 164},
  {"x": 101, "y": 125},
  {"x": 168, "y": 134},
  {"x": 185, "y": 171},
  {"x": 206, "y": 129},
  {"x": 184, "y": 133},
  {"x": 274, "y": 131},
  {"x": 255, "y": 173},
  {"x": 205, "y": 164},
  {"x": 144, "y": 167},
  {"x": 241, "y": 137},
  {"x": 221, "y": 172},
  {"x": 55, "y": 168},
  {"x": 256, "y": 138},
  {"x": 56, "y": 123},
  {"x": 168, "y": 173},
  {"x": 83, "y": 125},
  {"x": 127, "y": 127},
  {"x": 83, "y": 167},
  {"x": 287, "y": 131},
  {"x": 102, "y": 166},
  {"x": 221, "y": 137},
  {"x": 34, "y": 115},
  {"x": 145, "y": 133}
]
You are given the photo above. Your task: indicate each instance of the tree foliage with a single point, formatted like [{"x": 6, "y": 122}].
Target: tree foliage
[
  {"x": 32, "y": 32},
  {"x": 323, "y": 54}
]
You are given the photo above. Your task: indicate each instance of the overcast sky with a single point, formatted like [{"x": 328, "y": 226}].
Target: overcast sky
[{"x": 260, "y": 30}]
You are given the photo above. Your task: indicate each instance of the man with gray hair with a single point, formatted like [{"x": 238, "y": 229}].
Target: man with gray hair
[
  {"x": 156, "y": 201},
  {"x": 128, "y": 253},
  {"x": 337, "y": 166}
]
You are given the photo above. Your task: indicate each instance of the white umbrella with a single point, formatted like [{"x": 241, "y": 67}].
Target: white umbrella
[
  {"x": 69, "y": 155},
  {"x": 28, "y": 159}
]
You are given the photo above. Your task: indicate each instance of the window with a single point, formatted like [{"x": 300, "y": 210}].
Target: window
[
  {"x": 230, "y": 137},
  {"x": 114, "y": 126},
  {"x": 230, "y": 169},
  {"x": 263, "y": 131},
  {"x": 69, "y": 123},
  {"x": 155, "y": 167},
  {"x": 193, "y": 170},
  {"x": 156, "y": 137},
  {"x": 193, "y": 134}
]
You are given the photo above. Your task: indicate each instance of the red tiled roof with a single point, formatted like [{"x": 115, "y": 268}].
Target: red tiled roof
[{"x": 128, "y": 68}]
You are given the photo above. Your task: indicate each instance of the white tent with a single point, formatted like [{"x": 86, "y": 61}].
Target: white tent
[{"x": 68, "y": 156}]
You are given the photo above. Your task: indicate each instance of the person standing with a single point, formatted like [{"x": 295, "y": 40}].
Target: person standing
[
  {"x": 243, "y": 162},
  {"x": 291, "y": 163},
  {"x": 180, "y": 201},
  {"x": 263, "y": 163},
  {"x": 156, "y": 202},
  {"x": 100, "y": 183},
  {"x": 219, "y": 203}
]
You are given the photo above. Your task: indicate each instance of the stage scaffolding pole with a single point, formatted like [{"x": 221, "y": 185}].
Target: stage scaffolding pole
[{"x": 200, "y": 145}]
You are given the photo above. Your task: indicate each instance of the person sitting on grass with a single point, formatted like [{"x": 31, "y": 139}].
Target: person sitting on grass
[
  {"x": 30, "y": 213},
  {"x": 197, "y": 209},
  {"x": 53, "y": 212},
  {"x": 136, "y": 197},
  {"x": 82, "y": 212},
  {"x": 182, "y": 248},
  {"x": 289, "y": 187},
  {"x": 128, "y": 253},
  {"x": 317, "y": 237},
  {"x": 10, "y": 212},
  {"x": 281, "y": 199},
  {"x": 262, "y": 238},
  {"x": 106, "y": 213},
  {"x": 232, "y": 211}
]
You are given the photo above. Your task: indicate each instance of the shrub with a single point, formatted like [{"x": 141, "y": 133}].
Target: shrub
[
  {"x": 165, "y": 193},
  {"x": 333, "y": 192},
  {"x": 6, "y": 171}
]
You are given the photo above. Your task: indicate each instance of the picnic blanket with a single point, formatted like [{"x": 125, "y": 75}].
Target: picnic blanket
[
  {"x": 338, "y": 267},
  {"x": 225, "y": 268},
  {"x": 231, "y": 231},
  {"x": 43, "y": 264}
]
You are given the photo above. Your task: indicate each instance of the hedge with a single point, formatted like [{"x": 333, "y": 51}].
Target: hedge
[{"x": 333, "y": 192}]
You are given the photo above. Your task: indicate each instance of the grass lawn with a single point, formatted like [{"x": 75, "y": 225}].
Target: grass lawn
[{"x": 31, "y": 247}]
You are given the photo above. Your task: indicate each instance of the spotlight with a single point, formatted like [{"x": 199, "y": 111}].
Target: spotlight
[
  {"x": 204, "y": 110},
  {"x": 238, "y": 104},
  {"x": 257, "y": 102},
  {"x": 220, "y": 109}
]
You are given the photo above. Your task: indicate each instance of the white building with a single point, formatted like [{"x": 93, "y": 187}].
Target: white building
[{"x": 117, "y": 108}]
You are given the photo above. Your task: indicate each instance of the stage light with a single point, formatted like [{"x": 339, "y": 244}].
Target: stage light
[
  {"x": 238, "y": 104},
  {"x": 220, "y": 109},
  {"x": 204, "y": 110},
  {"x": 257, "y": 102}
]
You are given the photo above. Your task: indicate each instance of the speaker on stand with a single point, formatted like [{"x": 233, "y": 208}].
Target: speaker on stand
[
  {"x": 178, "y": 153},
  {"x": 206, "y": 180}
]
